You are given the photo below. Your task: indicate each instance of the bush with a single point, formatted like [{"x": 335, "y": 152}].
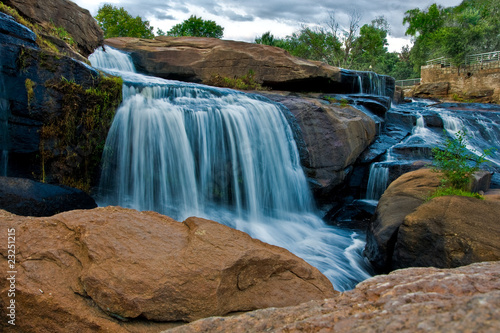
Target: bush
[{"x": 457, "y": 164}]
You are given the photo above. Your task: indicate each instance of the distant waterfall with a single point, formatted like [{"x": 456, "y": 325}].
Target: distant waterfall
[
  {"x": 4, "y": 125},
  {"x": 185, "y": 149}
]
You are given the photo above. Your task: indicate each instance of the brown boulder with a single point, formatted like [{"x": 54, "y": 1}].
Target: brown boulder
[
  {"x": 334, "y": 136},
  {"x": 75, "y": 20},
  {"x": 401, "y": 198},
  {"x": 427, "y": 90},
  {"x": 92, "y": 270},
  {"x": 449, "y": 232},
  {"x": 465, "y": 299},
  {"x": 196, "y": 59}
]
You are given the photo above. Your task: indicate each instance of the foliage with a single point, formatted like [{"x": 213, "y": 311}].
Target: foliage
[
  {"x": 456, "y": 162},
  {"x": 197, "y": 27},
  {"x": 117, "y": 22},
  {"x": 245, "y": 82},
  {"x": 40, "y": 31},
  {"x": 444, "y": 191},
  {"x": 453, "y": 32}
]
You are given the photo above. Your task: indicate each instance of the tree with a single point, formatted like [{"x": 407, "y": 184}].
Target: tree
[
  {"x": 197, "y": 27},
  {"x": 371, "y": 46},
  {"x": 117, "y": 22}
]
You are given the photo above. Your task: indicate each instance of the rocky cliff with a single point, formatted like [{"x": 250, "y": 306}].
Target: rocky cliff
[{"x": 58, "y": 109}]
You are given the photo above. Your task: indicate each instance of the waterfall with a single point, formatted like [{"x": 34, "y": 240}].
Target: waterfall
[
  {"x": 185, "y": 149},
  {"x": 4, "y": 125},
  {"x": 377, "y": 181}
]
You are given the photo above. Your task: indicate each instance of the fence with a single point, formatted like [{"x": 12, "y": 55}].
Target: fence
[
  {"x": 482, "y": 58},
  {"x": 407, "y": 83},
  {"x": 444, "y": 62}
]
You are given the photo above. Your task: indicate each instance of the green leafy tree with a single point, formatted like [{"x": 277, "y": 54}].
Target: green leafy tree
[
  {"x": 371, "y": 46},
  {"x": 117, "y": 22},
  {"x": 197, "y": 27}
]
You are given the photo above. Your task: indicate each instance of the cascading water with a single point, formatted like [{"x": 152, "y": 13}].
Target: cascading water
[
  {"x": 184, "y": 149},
  {"x": 4, "y": 126}
]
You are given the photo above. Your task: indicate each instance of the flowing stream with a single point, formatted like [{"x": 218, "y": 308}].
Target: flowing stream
[{"x": 191, "y": 150}]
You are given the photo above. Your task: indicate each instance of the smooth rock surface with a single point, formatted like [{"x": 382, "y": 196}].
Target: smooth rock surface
[
  {"x": 465, "y": 299},
  {"x": 90, "y": 271},
  {"x": 30, "y": 198}
]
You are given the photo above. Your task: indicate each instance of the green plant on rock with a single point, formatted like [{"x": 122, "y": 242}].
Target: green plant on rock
[
  {"x": 30, "y": 85},
  {"x": 457, "y": 164},
  {"x": 245, "y": 82}
]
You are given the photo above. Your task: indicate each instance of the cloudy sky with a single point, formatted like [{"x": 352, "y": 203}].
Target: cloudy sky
[{"x": 246, "y": 19}]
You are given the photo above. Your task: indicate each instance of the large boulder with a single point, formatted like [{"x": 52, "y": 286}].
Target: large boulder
[
  {"x": 445, "y": 232},
  {"x": 465, "y": 299},
  {"x": 402, "y": 197},
  {"x": 333, "y": 136},
  {"x": 449, "y": 231},
  {"x": 200, "y": 60},
  {"x": 30, "y": 198},
  {"x": 50, "y": 14},
  {"x": 109, "y": 269}
]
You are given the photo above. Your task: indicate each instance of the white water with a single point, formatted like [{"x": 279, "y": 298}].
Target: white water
[{"x": 184, "y": 149}]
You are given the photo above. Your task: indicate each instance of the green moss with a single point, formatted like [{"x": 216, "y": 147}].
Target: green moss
[
  {"x": 30, "y": 85},
  {"x": 76, "y": 138}
]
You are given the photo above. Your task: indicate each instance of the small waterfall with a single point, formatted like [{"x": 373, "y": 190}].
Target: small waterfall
[
  {"x": 377, "y": 181},
  {"x": 4, "y": 125},
  {"x": 185, "y": 149},
  {"x": 371, "y": 83}
]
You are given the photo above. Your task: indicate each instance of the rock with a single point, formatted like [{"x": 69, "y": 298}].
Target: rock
[
  {"x": 447, "y": 232},
  {"x": 334, "y": 137},
  {"x": 465, "y": 299},
  {"x": 58, "y": 111},
  {"x": 109, "y": 268},
  {"x": 402, "y": 197},
  {"x": 199, "y": 60},
  {"x": 78, "y": 22},
  {"x": 435, "y": 89},
  {"x": 29, "y": 198}
]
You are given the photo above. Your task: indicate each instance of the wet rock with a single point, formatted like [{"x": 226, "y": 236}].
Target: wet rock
[
  {"x": 109, "y": 268},
  {"x": 465, "y": 299},
  {"x": 30, "y": 198}
]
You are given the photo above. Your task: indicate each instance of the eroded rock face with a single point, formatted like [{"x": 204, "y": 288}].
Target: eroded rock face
[
  {"x": 465, "y": 299},
  {"x": 78, "y": 22},
  {"x": 85, "y": 270},
  {"x": 195, "y": 59}
]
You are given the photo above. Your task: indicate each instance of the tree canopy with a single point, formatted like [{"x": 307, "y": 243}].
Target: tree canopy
[
  {"x": 197, "y": 27},
  {"x": 117, "y": 22}
]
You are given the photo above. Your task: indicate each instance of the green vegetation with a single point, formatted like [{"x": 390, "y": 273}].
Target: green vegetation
[
  {"x": 117, "y": 22},
  {"x": 51, "y": 30},
  {"x": 245, "y": 82},
  {"x": 77, "y": 137},
  {"x": 453, "y": 32},
  {"x": 197, "y": 27},
  {"x": 457, "y": 164},
  {"x": 29, "y": 84}
]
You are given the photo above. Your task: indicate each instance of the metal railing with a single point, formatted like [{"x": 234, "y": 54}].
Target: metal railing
[
  {"x": 482, "y": 58},
  {"x": 408, "y": 82},
  {"x": 439, "y": 61}
]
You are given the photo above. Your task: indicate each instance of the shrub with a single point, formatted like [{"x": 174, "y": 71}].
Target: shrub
[{"x": 457, "y": 164}]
